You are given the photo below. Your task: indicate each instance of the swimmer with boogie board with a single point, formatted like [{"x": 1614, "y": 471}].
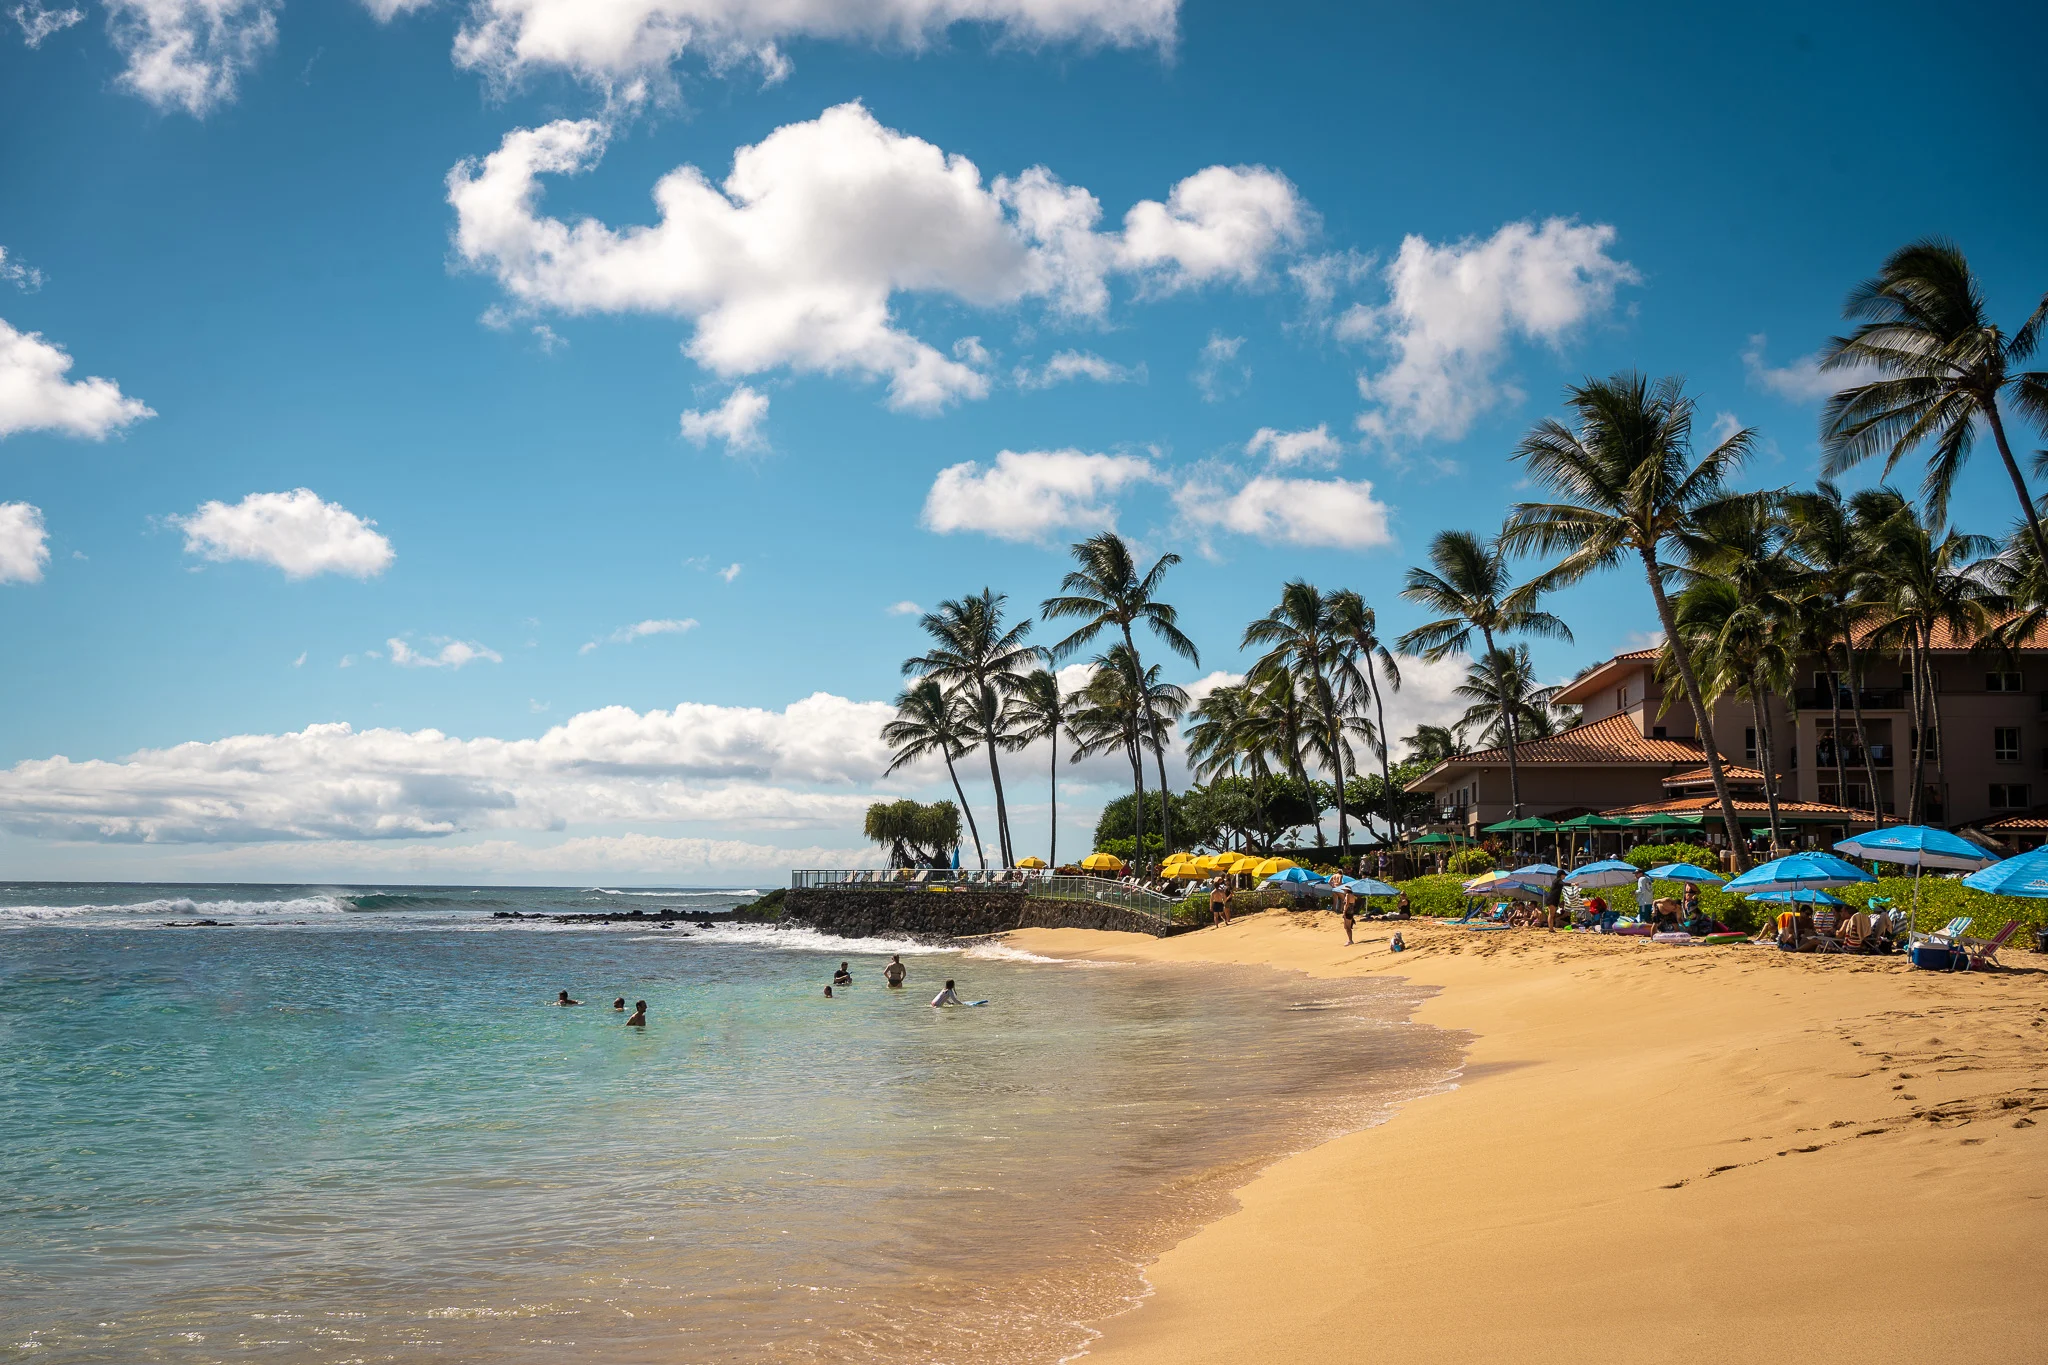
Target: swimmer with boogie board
[{"x": 949, "y": 996}]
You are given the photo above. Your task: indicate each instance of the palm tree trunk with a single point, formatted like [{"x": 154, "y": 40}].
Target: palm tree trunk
[
  {"x": 967, "y": 811},
  {"x": 1856, "y": 705},
  {"x": 1386, "y": 774},
  {"x": 2019, "y": 485},
  {"x": 1507, "y": 730},
  {"x": 995, "y": 775},
  {"x": 1682, "y": 656},
  {"x": 1137, "y": 756},
  {"x": 1165, "y": 803},
  {"x": 1337, "y": 763},
  {"x": 1760, "y": 708},
  {"x": 1052, "y": 854},
  {"x": 1919, "y": 736},
  {"x": 1835, "y": 714},
  {"x": 1151, "y": 723},
  {"x": 1934, "y": 726}
]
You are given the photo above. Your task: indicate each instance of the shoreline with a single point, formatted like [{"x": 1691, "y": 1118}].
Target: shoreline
[{"x": 1648, "y": 1154}]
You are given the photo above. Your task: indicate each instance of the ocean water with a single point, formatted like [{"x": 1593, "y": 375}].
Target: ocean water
[{"x": 346, "y": 1127}]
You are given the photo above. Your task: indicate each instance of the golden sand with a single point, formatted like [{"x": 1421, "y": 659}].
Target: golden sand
[{"x": 1654, "y": 1154}]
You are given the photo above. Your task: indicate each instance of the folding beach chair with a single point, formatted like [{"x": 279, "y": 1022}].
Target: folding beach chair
[{"x": 1983, "y": 952}]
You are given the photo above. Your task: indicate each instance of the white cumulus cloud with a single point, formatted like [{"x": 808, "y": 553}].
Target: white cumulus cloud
[
  {"x": 24, "y": 544},
  {"x": 1803, "y": 380},
  {"x": 26, "y": 278},
  {"x": 795, "y": 259},
  {"x": 190, "y": 54},
  {"x": 1070, "y": 365},
  {"x": 905, "y": 608},
  {"x": 35, "y": 395},
  {"x": 1314, "y": 446},
  {"x": 1339, "y": 513},
  {"x": 1219, "y": 374},
  {"x": 294, "y": 531},
  {"x": 738, "y": 766},
  {"x": 736, "y": 421},
  {"x": 1030, "y": 494},
  {"x": 451, "y": 654},
  {"x": 1453, "y": 310},
  {"x": 626, "y": 44}
]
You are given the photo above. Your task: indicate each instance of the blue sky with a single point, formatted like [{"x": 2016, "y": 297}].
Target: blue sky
[{"x": 277, "y": 232}]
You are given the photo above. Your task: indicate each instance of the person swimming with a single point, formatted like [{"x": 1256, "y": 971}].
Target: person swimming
[
  {"x": 620, "y": 1004},
  {"x": 562, "y": 998},
  {"x": 948, "y": 996},
  {"x": 639, "y": 1019},
  {"x": 828, "y": 993},
  {"x": 842, "y": 977},
  {"x": 895, "y": 971}
]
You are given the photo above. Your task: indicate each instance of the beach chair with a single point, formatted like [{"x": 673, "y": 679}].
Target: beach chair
[
  {"x": 1945, "y": 936},
  {"x": 1983, "y": 952}
]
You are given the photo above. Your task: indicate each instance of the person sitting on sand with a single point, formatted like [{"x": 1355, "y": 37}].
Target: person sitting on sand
[
  {"x": 562, "y": 998},
  {"x": 842, "y": 977},
  {"x": 1401, "y": 907},
  {"x": 620, "y": 1004},
  {"x": 1397, "y": 946},
  {"x": 948, "y": 996},
  {"x": 895, "y": 971},
  {"x": 639, "y": 1017}
]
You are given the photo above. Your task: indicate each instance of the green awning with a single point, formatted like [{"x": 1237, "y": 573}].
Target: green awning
[
  {"x": 1596, "y": 822},
  {"x": 1440, "y": 839},
  {"x": 1528, "y": 824}
]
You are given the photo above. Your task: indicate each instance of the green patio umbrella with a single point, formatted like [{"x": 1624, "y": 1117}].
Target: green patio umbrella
[
  {"x": 1528, "y": 824},
  {"x": 1664, "y": 819}
]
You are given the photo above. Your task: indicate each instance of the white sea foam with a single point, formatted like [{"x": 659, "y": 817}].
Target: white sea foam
[
  {"x": 678, "y": 895},
  {"x": 811, "y": 941},
  {"x": 179, "y": 906},
  {"x": 1003, "y": 952}
]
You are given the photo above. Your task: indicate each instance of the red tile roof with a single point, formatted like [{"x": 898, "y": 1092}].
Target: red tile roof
[
  {"x": 1751, "y": 811},
  {"x": 2035, "y": 819},
  {"x": 1734, "y": 772},
  {"x": 1617, "y": 739}
]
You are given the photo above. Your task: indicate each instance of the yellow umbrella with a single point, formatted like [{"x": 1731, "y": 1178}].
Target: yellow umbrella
[
  {"x": 1179, "y": 871},
  {"x": 1272, "y": 865},
  {"x": 1176, "y": 859},
  {"x": 1103, "y": 862},
  {"x": 1211, "y": 862},
  {"x": 1240, "y": 862},
  {"x": 1031, "y": 862}
]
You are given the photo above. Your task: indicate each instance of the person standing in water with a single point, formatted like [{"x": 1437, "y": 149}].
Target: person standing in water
[
  {"x": 620, "y": 1004},
  {"x": 842, "y": 977},
  {"x": 895, "y": 971},
  {"x": 639, "y": 1019},
  {"x": 562, "y": 998},
  {"x": 948, "y": 996}
]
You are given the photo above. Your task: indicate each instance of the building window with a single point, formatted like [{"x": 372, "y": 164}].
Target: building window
[
  {"x": 1657, "y": 732},
  {"x": 2001, "y": 682},
  {"x": 1749, "y": 746},
  {"x": 1859, "y": 795},
  {"x": 2005, "y": 743},
  {"x": 1621, "y": 699},
  {"x": 1933, "y": 754},
  {"x": 2009, "y": 795}
]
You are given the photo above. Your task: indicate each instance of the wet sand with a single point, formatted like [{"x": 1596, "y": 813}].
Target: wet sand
[{"x": 1654, "y": 1154}]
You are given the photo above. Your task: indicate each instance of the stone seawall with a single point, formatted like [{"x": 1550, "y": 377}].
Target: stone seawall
[{"x": 880, "y": 912}]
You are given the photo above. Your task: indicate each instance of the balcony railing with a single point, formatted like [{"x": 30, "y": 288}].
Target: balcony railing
[
  {"x": 1871, "y": 698},
  {"x": 1852, "y": 756}
]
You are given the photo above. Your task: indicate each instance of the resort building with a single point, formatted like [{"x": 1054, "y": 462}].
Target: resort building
[{"x": 1630, "y": 755}]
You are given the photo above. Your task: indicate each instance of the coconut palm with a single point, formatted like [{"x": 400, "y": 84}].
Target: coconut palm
[
  {"x": 1821, "y": 532},
  {"x": 1111, "y": 713},
  {"x": 1629, "y": 486},
  {"x": 1505, "y": 695},
  {"x": 1227, "y": 737},
  {"x": 1434, "y": 744},
  {"x": 1744, "y": 644},
  {"x": 1038, "y": 710},
  {"x": 1471, "y": 591},
  {"x": 929, "y": 722},
  {"x": 1925, "y": 328},
  {"x": 1108, "y": 591},
  {"x": 1921, "y": 581},
  {"x": 974, "y": 657},
  {"x": 1300, "y": 638},
  {"x": 1367, "y": 668}
]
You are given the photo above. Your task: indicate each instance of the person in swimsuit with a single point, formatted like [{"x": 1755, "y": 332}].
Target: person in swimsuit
[
  {"x": 562, "y": 998},
  {"x": 895, "y": 972},
  {"x": 1219, "y": 902},
  {"x": 1348, "y": 903},
  {"x": 842, "y": 977},
  {"x": 620, "y": 1004},
  {"x": 948, "y": 996},
  {"x": 639, "y": 1018},
  {"x": 828, "y": 992}
]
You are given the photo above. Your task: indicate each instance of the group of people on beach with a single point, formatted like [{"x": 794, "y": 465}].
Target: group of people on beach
[
  {"x": 893, "y": 976},
  {"x": 638, "y": 1019}
]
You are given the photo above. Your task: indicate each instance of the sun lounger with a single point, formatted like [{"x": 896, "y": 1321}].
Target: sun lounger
[
  {"x": 1944, "y": 937},
  {"x": 1983, "y": 952}
]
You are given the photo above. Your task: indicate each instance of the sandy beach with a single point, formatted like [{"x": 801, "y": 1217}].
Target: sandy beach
[{"x": 1653, "y": 1154}]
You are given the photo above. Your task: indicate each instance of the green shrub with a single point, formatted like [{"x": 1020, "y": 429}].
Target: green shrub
[
  {"x": 1647, "y": 856},
  {"x": 1941, "y": 900},
  {"x": 1195, "y": 909},
  {"x": 1467, "y": 863},
  {"x": 1439, "y": 896}
]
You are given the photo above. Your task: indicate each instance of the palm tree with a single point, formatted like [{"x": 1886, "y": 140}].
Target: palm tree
[
  {"x": 974, "y": 657},
  {"x": 1921, "y": 582},
  {"x": 1505, "y": 696},
  {"x": 929, "y": 722},
  {"x": 1628, "y": 484},
  {"x": 1471, "y": 590},
  {"x": 1301, "y": 640},
  {"x": 1107, "y": 590},
  {"x": 1925, "y": 329},
  {"x": 1227, "y": 738},
  {"x": 1111, "y": 713},
  {"x": 1358, "y": 626},
  {"x": 1280, "y": 724},
  {"x": 1037, "y": 710},
  {"x": 1743, "y": 644},
  {"x": 1434, "y": 744},
  {"x": 1822, "y": 532}
]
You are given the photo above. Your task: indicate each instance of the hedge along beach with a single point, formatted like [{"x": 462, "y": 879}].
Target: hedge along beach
[{"x": 1652, "y": 1154}]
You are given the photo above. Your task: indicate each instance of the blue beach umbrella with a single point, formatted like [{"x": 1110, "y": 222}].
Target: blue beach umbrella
[
  {"x": 1805, "y": 895},
  {"x": 1366, "y": 886},
  {"x": 1606, "y": 872},
  {"x": 1291, "y": 876},
  {"x": 1800, "y": 869},
  {"x": 1917, "y": 846},
  {"x": 2024, "y": 875},
  {"x": 1686, "y": 872},
  {"x": 1536, "y": 870}
]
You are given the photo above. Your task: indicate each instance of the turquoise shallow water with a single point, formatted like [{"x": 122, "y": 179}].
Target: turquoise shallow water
[{"x": 342, "y": 1134}]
